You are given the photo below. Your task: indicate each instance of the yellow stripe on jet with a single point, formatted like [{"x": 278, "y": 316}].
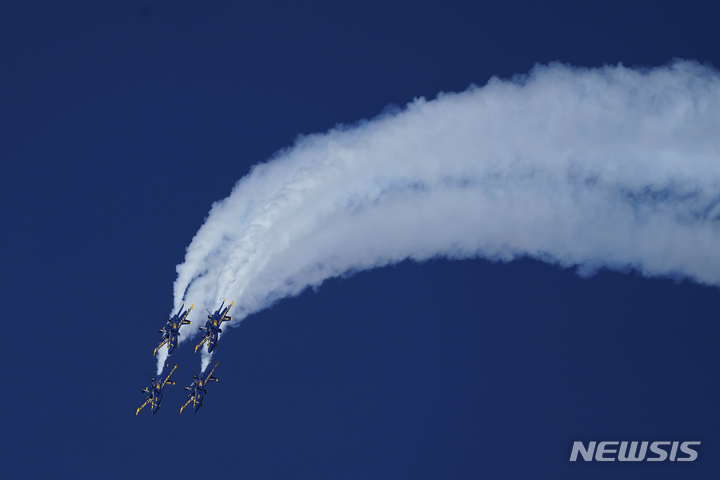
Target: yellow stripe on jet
[
  {"x": 187, "y": 403},
  {"x": 200, "y": 344},
  {"x": 142, "y": 406},
  {"x": 159, "y": 347},
  {"x": 168, "y": 377}
]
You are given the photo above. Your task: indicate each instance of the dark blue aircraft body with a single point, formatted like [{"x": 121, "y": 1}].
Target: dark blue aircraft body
[
  {"x": 212, "y": 330},
  {"x": 197, "y": 388},
  {"x": 154, "y": 392},
  {"x": 171, "y": 331}
]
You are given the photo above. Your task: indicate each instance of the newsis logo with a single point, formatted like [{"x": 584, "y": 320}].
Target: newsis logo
[{"x": 608, "y": 451}]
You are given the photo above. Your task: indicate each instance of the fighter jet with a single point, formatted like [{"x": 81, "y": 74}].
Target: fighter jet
[
  {"x": 170, "y": 331},
  {"x": 197, "y": 389},
  {"x": 154, "y": 392},
  {"x": 212, "y": 329}
]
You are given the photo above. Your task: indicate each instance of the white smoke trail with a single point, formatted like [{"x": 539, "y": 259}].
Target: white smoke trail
[
  {"x": 205, "y": 358},
  {"x": 609, "y": 167},
  {"x": 162, "y": 355}
]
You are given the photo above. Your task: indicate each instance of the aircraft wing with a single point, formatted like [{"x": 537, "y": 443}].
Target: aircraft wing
[
  {"x": 168, "y": 377},
  {"x": 200, "y": 344},
  {"x": 159, "y": 346},
  {"x": 191, "y": 399},
  {"x": 184, "y": 320},
  {"x": 211, "y": 372},
  {"x": 147, "y": 400},
  {"x": 224, "y": 317}
]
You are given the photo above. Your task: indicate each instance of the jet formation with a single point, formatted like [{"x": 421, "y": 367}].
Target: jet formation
[{"x": 171, "y": 337}]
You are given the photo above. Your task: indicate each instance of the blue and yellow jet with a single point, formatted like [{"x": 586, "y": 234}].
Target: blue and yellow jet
[
  {"x": 198, "y": 389},
  {"x": 212, "y": 330},
  {"x": 154, "y": 392},
  {"x": 170, "y": 332}
]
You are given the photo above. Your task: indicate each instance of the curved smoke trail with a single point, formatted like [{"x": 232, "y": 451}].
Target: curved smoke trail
[{"x": 609, "y": 167}]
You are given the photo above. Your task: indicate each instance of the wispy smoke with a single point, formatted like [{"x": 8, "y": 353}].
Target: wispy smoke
[
  {"x": 610, "y": 167},
  {"x": 162, "y": 355}
]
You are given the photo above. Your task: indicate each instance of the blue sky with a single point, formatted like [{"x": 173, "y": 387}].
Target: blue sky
[{"x": 122, "y": 124}]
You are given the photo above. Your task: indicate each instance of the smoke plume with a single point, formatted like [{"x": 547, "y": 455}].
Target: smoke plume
[{"x": 589, "y": 168}]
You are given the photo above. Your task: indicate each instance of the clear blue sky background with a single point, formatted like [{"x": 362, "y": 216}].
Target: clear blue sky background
[{"x": 120, "y": 124}]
